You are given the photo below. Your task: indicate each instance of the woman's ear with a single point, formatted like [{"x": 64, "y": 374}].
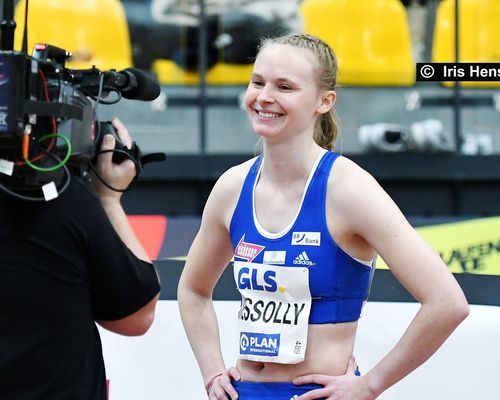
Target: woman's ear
[{"x": 327, "y": 101}]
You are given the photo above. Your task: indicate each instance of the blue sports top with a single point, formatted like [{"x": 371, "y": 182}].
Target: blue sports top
[{"x": 339, "y": 284}]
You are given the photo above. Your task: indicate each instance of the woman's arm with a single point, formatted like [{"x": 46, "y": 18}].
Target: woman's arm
[
  {"x": 208, "y": 256},
  {"x": 374, "y": 216},
  {"x": 368, "y": 219}
]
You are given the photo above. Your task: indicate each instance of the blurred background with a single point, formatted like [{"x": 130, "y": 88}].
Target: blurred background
[
  {"x": 201, "y": 52},
  {"x": 432, "y": 145}
]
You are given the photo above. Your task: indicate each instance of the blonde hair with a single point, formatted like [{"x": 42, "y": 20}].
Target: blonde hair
[{"x": 325, "y": 130}]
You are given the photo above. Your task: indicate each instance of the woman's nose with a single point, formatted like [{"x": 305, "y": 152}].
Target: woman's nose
[{"x": 265, "y": 95}]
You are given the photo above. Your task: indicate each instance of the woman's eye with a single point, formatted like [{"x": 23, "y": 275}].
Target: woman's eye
[
  {"x": 285, "y": 87},
  {"x": 257, "y": 83}
]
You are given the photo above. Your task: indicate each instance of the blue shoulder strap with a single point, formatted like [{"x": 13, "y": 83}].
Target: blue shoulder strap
[
  {"x": 243, "y": 213},
  {"x": 316, "y": 196}
]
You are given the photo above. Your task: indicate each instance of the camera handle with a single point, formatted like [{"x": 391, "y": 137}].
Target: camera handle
[{"x": 121, "y": 152}]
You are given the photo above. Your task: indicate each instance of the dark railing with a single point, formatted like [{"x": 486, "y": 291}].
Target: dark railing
[{"x": 442, "y": 184}]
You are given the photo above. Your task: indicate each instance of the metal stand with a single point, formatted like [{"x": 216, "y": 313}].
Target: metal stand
[
  {"x": 7, "y": 26},
  {"x": 457, "y": 112},
  {"x": 202, "y": 71}
]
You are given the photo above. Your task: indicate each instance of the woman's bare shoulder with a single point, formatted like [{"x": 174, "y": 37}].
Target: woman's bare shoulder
[
  {"x": 351, "y": 188},
  {"x": 346, "y": 174}
]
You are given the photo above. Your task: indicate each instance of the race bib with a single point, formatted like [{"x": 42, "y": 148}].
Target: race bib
[{"x": 274, "y": 314}]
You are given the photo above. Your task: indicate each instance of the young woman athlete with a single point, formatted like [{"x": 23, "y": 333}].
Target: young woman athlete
[{"x": 304, "y": 226}]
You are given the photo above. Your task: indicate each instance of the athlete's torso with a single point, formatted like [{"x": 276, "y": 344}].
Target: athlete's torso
[{"x": 337, "y": 282}]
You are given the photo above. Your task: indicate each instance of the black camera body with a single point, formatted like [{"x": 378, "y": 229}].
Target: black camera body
[
  {"x": 13, "y": 80},
  {"x": 48, "y": 114},
  {"x": 39, "y": 97},
  {"x": 48, "y": 119},
  {"x": 36, "y": 89}
]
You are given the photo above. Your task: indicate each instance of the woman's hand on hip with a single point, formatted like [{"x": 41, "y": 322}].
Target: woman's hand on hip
[
  {"x": 221, "y": 388},
  {"x": 343, "y": 387}
]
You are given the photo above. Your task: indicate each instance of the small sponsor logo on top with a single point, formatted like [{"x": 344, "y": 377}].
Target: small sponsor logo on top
[
  {"x": 303, "y": 259},
  {"x": 276, "y": 257},
  {"x": 247, "y": 251},
  {"x": 306, "y": 239}
]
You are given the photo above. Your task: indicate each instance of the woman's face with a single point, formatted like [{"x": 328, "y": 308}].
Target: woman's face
[{"x": 283, "y": 97}]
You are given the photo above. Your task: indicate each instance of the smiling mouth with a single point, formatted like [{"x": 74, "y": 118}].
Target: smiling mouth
[{"x": 268, "y": 115}]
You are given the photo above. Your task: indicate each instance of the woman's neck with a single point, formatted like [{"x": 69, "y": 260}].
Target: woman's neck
[{"x": 285, "y": 162}]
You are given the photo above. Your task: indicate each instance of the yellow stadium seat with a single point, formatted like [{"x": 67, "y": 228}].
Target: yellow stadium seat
[
  {"x": 96, "y": 30},
  {"x": 370, "y": 37},
  {"x": 169, "y": 73},
  {"x": 479, "y": 32}
]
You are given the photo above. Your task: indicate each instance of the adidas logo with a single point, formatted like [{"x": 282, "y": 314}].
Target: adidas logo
[{"x": 303, "y": 259}]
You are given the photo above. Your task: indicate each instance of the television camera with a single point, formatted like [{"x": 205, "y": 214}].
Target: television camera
[{"x": 48, "y": 115}]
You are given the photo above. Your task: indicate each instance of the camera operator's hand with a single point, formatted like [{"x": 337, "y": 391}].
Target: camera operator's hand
[{"x": 116, "y": 175}]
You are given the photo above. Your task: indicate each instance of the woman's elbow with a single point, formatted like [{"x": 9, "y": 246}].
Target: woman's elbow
[
  {"x": 458, "y": 309},
  {"x": 463, "y": 311},
  {"x": 187, "y": 292}
]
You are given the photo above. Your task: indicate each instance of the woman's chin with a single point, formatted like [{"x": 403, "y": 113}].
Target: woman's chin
[{"x": 265, "y": 132}]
